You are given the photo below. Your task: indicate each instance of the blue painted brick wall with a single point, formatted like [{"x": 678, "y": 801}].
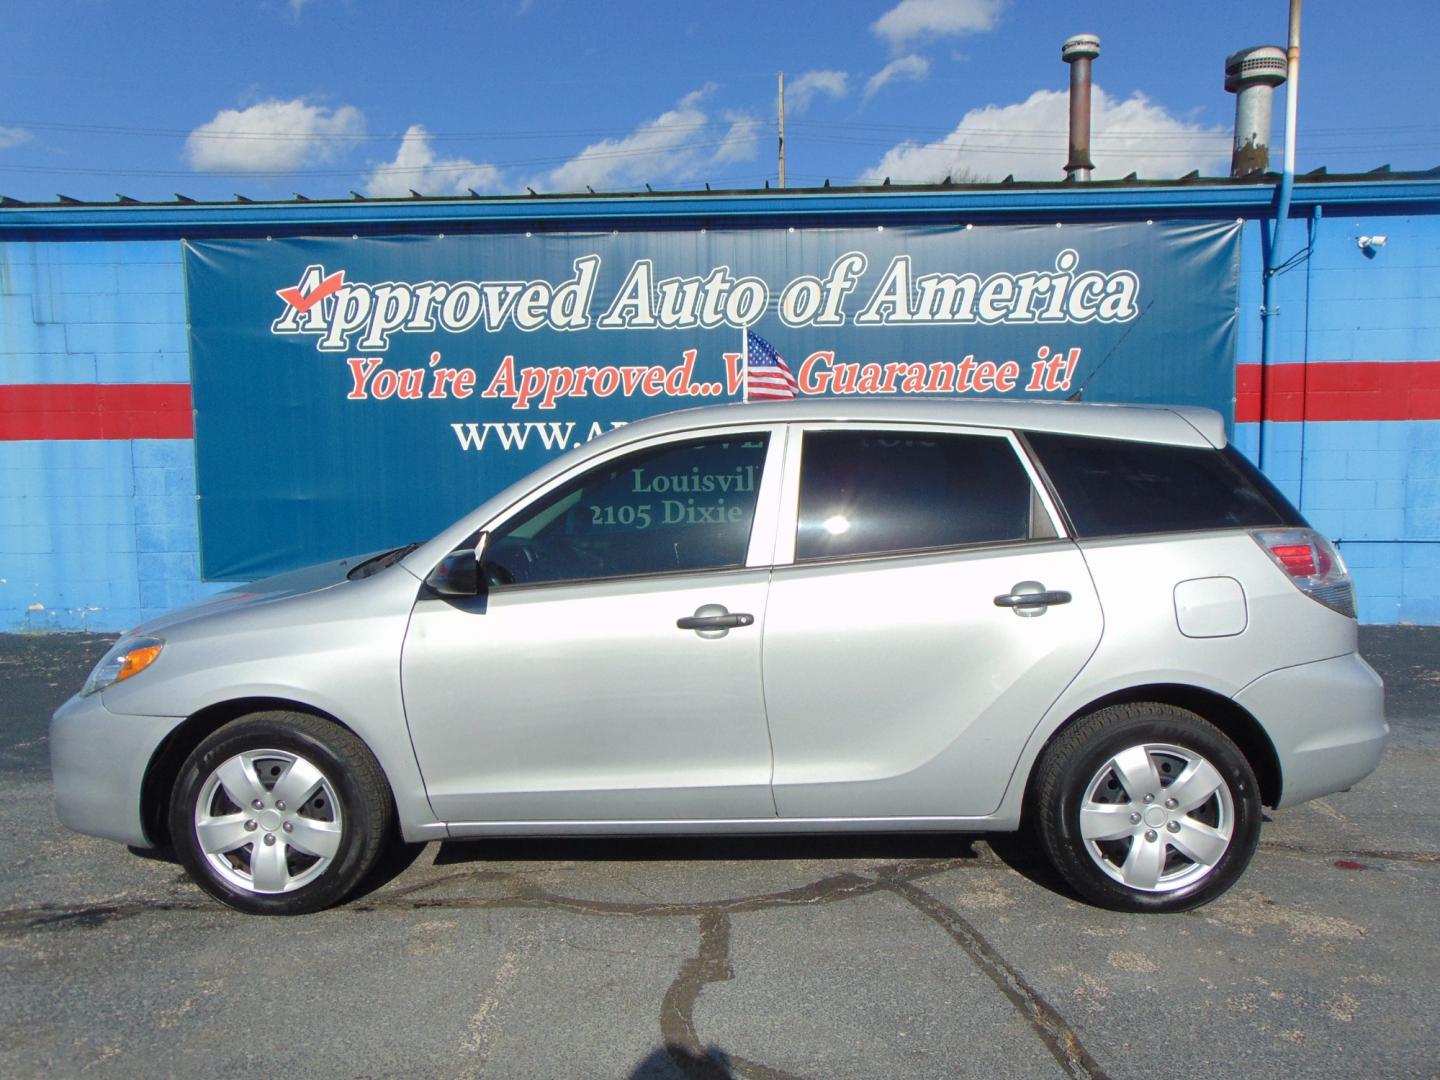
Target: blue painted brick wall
[
  {"x": 95, "y": 534},
  {"x": 1372, "y": 485}
]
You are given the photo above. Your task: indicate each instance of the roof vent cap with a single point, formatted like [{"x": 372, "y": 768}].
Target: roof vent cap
[
  {"x": 1259, "y": 65},
  {"x": 1080, "y": 47}
]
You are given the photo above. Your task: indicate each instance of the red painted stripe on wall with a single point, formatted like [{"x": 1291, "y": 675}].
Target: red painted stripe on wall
[
  {"x": 90, "y": 411},
  {"x": 1362, "y": 390}
]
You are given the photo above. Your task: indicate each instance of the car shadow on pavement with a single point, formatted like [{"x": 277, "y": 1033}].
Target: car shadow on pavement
[
  {"x": 164, "y": 853},
  {"x": 395, "y": 859},
  {"x": 1021, "y": 852},
  {"x": 886, "y": 846},
  {"x": 664, "y": 1063}
]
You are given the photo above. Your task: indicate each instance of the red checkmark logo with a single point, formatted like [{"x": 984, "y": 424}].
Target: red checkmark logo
[{"x": 303, "y": 302}]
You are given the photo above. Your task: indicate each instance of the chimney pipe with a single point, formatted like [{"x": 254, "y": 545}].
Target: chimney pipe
[
  {"x": 1078, "y": 51},
  {"x": 1252, "y": 75}
]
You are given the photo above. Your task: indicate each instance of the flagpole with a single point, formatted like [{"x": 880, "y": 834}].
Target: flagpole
[{"x": 745, "y": 360}]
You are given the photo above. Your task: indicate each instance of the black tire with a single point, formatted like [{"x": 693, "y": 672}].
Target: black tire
[
  {"x": 350, "y": 799},
  {"x": 1188, "y": 864}
]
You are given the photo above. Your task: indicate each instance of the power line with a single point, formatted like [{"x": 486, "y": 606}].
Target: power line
[
  {"x": 1019, "y": 143},
  {"x": 556, "y": 133},
  {"x": 399, "y": 170},
  {"x": 1114, "y": 145},
  {"x": 1157, "y": 133},
  {"x": 340, "y": 137}
]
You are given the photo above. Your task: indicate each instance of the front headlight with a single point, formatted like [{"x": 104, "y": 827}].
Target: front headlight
[{"x": 128, "y": 657}]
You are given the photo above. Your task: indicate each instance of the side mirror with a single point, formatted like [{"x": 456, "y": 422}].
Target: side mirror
[{"x": 458, "y": 574}]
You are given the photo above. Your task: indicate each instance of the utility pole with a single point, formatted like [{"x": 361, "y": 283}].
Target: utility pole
[
  {"x": 1269, "y": 305},
  {"x": 782, "y": 128}
]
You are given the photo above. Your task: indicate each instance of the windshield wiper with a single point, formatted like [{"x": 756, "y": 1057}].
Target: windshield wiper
[{"x": 380, "y": 562}]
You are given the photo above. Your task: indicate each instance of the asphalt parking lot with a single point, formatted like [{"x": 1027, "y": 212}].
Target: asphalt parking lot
[{"x": 817, "y": 957}]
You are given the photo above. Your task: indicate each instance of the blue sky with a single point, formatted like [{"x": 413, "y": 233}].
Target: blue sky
[{"x": 328, "y": 96}]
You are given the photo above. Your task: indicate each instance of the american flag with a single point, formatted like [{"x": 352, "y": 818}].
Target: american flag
[{"x": 767, "y": 376}]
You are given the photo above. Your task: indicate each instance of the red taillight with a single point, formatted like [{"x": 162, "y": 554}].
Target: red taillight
[
  {"x": 1312, "y": 564},
  {"x": 1299, "y": 559}
]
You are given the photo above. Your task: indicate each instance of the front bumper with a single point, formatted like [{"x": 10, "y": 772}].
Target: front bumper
[
  {"x": 1326, "y": 721},
  {"x": 98, "y": 761}
]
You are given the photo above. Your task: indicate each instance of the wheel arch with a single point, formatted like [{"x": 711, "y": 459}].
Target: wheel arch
[
  {"x": 1237, "y": 723},
  {"x": 170, "y": 755}
]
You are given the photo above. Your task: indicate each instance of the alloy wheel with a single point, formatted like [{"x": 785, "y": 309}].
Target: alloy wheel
[
  {"x": 1157, "y": 817},
  {"x": 268, "y": 821}
]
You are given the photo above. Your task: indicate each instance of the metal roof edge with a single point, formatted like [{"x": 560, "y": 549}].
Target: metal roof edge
[{"x": 828, "y": 206}]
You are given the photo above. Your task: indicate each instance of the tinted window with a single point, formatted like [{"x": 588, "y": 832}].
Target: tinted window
[
  {"x": 682, "y": 506},
  {"x": 1112, "y": 487},
  {"x": 865, "y": 492}
]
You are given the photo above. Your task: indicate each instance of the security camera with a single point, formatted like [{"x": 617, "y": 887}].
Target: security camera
[{"x": 1370, "y": 242}]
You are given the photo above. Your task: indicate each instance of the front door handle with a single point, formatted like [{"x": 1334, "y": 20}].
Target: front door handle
[
  {"x": 712, "y": 621},
  {"x": 1030, "y": 598},
  {"x": 728, "y": 621}
]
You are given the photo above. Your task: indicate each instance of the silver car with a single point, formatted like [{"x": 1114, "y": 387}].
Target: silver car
[{"x": 821, "y": 616}]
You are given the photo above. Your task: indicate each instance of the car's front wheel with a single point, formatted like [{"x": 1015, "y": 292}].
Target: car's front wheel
[
  {"x": 280, "y": 813},
  {"x": 1146, "y": 807}
]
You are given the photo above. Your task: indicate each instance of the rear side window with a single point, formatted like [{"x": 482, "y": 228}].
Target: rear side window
[
  {"x": 871, "y": 492},
  {"x": 1112, "y": 487}
]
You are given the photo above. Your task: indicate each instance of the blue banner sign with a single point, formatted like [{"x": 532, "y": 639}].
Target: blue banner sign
[{"x": 353, "y": 394}]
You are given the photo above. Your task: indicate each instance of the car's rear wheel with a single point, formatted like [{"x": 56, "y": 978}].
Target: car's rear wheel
[
  {"x": 1146, "y": 807},
  {"x": 280, "y": 813}
]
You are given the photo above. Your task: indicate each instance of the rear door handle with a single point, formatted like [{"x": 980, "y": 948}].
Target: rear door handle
[
  {"x": 1030, "y": 598},
  {"x": 727, "y": 621}
]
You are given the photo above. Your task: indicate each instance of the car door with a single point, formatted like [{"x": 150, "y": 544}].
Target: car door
[
  {"x": 904, "y": 663},
  {"x": 611, "y": 671}
]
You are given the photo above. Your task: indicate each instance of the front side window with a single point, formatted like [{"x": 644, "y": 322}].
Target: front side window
[
  {"x": 667, "y": 509},
  {"x": 874, "y": 492}
]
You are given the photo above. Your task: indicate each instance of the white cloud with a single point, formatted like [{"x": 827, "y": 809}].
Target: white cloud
[
  {"x": 695, "y": 97},
  {"x": 1030, "y": 139},
  {"x": 800, "y": 93},
  {"x": 673, "y": 146},
  {"x": 272, "y": 136},
  {"x": 416, "y": 167},
  {"x": 912, "y": 19},
  {"x": 739, "y": 142},
  {"x": 907, "y": 69},
  {"x": 13, "y": 136}
]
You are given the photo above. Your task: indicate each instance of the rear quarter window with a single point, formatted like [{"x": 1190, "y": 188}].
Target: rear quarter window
[{"x": 1113, "y": 487}]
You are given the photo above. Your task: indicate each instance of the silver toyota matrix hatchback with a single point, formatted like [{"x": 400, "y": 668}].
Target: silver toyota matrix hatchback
[{"x": 1097, "y": 622}]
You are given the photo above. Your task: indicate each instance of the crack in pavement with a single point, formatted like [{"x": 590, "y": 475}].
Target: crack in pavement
[
  {"x": 17, "y": 920},
  {"x": 711, "y": 962},
  {"x": 1352, "y": 853},
  {"x": 1056, "y": 1034},
  {"x": 517, "y": 891}
]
